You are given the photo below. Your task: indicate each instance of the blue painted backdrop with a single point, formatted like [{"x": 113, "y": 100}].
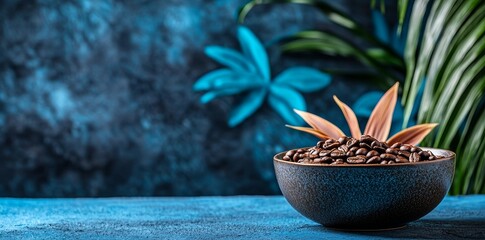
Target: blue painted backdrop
[{"x": 96, "y": 97}]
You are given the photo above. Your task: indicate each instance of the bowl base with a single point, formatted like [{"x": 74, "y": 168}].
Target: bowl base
[{"x": 365, "y": 229}]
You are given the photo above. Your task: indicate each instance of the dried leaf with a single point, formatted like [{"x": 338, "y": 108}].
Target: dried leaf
[
  {"x": 413, "y": 135},
  {"x": 321, "y": 124},
  {"x": 310, "y": 131},
  {"x": 379, "y": 123},
  {"x": 350, "y": 117}
]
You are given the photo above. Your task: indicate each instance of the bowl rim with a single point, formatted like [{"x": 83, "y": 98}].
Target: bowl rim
[{"x": 361, "y": 165}]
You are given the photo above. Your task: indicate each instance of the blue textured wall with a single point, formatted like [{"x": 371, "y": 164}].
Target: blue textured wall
[{"x": 96, "y": 97}]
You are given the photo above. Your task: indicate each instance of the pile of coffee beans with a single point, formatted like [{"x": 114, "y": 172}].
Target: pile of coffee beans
[{"x": 348, "y": 150}]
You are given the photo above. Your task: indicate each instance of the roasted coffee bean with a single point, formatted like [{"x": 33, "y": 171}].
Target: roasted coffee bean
[
  {"x": 388, "y": 156},
  {"x": 361, "y": 151},
  {"x": 304, "y": 160},
  {"x": 356, "y": 160},
  {"x": 414, "y": 157},
  {"x": 318, "y": 160},
  {"x": 337, "y": 154},
  {"x": 392, "y": 151},
  {"x": 352, "y": 142},
  {"x": 343, "y": 140},
  {"x": 331, "y": 145},
  {"x": 401, "y": 159},
  {"x": 379, "y": 149},
  {"x": 367, "y": 139},
  {"x": 364, "y": 145},
  {"x": 405, "y": 148},
  {"x": 416, "y": 149},
  {"x": 324, "y": 153},
  {"x": 396, "y": 145},
  {"x": 354, "y": 149},
  {"x": 374, "y": 159},
  {"x": 343, "y": 148},
  {"x": 290, "y": 153},
  {"x": 424, "y": 154},
  {"x": 372, "y": 153},
  {"x": 321, "y": 160},
  {"x": 404, "y": 153},
  {"x": 378, "y": 144}
]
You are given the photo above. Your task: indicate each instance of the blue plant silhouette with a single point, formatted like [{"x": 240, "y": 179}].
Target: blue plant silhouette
[
  {"x": 388, "y": 35},
  {"x": 249, "y": 73}
]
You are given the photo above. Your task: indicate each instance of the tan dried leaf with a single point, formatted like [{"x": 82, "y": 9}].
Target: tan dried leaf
[
  {"x": 379, "y": 123},
  {"x": 321, "y": 124},
  {"x": 310, "y": 131},
  {"x": 378, "y": 126},
  {"x": 350, "y": 117},
  {"x": 412, "y": 135}
]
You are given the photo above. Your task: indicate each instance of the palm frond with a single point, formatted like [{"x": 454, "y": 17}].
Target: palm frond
[
  {"x": 333, "y": 44},
  {"x": 402, "y": 7},
  {"x": 448, "y": 56}
]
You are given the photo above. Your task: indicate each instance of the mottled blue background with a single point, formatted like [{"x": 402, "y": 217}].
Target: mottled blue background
[{"x": 96, "y": 97}]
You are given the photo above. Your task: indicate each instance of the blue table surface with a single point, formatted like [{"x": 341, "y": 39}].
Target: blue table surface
[{"x": 238, "y": 217}]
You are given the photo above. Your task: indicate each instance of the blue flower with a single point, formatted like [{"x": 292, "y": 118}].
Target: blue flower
[{"x": 249, "y": 73}]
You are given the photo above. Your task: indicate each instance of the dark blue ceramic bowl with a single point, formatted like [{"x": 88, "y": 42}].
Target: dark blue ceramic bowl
[{"x": 362, "y": 196}]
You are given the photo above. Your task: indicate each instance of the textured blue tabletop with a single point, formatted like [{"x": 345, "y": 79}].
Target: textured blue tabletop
[{"x": 254, "y": 217}]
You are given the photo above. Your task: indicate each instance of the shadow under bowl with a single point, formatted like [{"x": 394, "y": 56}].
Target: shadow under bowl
[{"x": 365, "y": 196}]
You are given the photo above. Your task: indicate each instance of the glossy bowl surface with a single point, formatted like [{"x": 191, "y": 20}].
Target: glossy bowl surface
[{"x": 364, "y": 196}]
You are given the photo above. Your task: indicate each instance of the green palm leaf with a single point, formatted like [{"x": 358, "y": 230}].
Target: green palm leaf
[
  {"x": 402, "y": 6},
  {"x": 385, "y": 62},
  {"x": 448, "y": 53}
]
